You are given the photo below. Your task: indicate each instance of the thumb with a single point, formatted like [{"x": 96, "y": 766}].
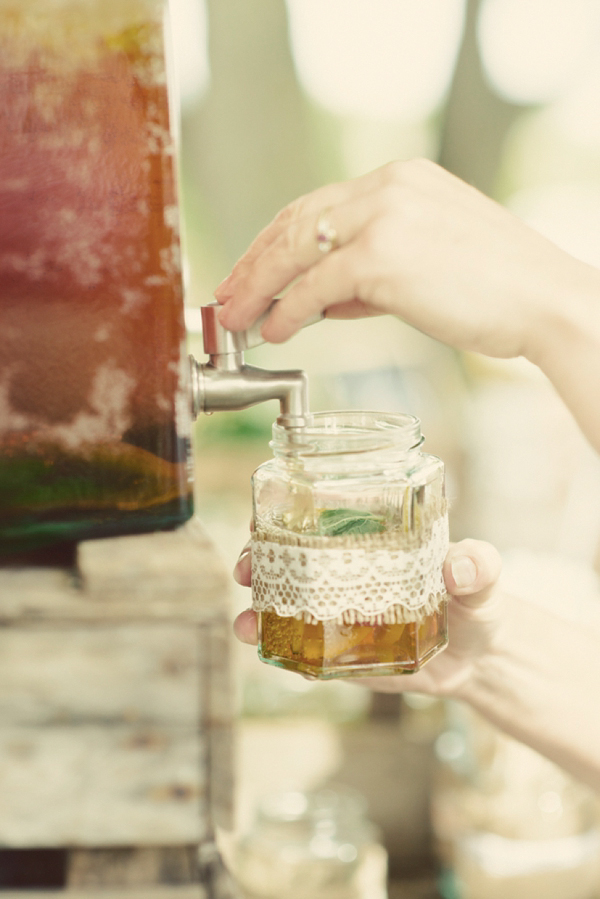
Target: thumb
[{"x": 471, "y": 570}]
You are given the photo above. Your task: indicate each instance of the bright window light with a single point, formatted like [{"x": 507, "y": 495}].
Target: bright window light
[
  {"x": 568, "y": 214},
  {"x": 534, "y": 50},
  {"x": 577, "y": 112},
  {"x": 189, "y": 28},
  {"x": 385, "y": 59}
]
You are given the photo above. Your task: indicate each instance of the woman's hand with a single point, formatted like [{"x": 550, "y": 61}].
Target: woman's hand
[
  {"x": 414, "y": 241},
  {"x": 471, "y": 570},
  {"x": 530, "y": 667}
]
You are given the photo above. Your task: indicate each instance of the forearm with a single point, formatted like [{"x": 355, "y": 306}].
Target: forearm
[
  {"x": 540, "y": 683},
  {"x": 566, "y": 342}
]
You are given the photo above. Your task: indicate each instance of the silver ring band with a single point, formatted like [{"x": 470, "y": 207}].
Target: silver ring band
[{"x": 327, "y": 236}]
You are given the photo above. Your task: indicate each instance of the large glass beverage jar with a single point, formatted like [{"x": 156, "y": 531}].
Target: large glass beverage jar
[
  {"x": 350, "y": 534},
  {"x": 93, "y": 424}
]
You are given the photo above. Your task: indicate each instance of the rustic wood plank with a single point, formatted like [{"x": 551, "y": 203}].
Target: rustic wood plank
[
  {"x": 196, "y": 891},
  {"x": 117, "y": 714},
  {"x": 174, "y": 575},
  {"x": 132, "y": 867},
  {"x": 98, "y": 786},
  {"x": 132, "y": 673},
  {"x": 36, "y": 592},
  {"x": 218, "y": 715},
  {"x": 164, "y": 567}
]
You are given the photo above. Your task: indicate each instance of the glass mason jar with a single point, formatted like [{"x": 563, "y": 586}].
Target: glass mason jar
[
  {"x": 350, "y": 534},
  {"x": 317, "y": 845},
  {"x": 94, "y": 434}
]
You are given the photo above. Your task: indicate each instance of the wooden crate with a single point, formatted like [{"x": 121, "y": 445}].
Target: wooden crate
[
  {"x": 191, "y": 892},
  {"x": 116, "y": 702}
]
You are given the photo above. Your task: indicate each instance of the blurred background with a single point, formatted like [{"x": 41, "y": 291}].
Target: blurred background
[{"x": 276, "y": 99}]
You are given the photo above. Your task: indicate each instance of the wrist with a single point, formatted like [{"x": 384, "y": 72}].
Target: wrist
[
  {"x": 538, "y": 682},
  {"x": 565, "y": 313},
  {"x": 563, "y": 338}
]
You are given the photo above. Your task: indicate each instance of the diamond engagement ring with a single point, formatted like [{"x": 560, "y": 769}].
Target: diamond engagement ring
[{"x": 326, "y": 234}]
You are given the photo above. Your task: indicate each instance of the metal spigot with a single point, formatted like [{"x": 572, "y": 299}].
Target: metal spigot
[{"x": 225, "y": 382}]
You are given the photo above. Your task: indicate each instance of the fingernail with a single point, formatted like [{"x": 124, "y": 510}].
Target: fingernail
[
  {"x": 245, "y": 550},
  {"x": 222, "y": 288},
  {"x": 464, "y": 571},
  {"x": 223, "y": 315},
  {"x": 242, "y": 557}
]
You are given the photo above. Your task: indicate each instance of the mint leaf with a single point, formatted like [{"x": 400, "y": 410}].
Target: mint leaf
[{"x": 339, "y": 522}]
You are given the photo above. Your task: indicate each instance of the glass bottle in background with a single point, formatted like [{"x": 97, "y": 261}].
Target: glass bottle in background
[
  {"x": 315, "y": 845},
  {"x": 94, "y": 434},
  {"x": 350, "y": 534}
]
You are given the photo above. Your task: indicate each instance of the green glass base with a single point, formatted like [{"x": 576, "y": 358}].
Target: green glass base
[{"x": 33, "y": 532}]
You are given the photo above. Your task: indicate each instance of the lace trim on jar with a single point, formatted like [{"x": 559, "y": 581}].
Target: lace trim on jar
[{"x": 382, "y": 578}]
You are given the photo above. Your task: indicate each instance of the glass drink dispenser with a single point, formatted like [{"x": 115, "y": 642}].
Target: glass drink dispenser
[{"x": 94, "y": 432}]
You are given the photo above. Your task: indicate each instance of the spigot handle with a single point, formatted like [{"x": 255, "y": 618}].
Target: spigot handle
[
  {"x": 226, "y": 382},
  {"x": 218, "y": 340}
]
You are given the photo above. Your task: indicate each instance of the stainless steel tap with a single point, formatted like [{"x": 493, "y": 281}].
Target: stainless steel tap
[{"x": 225, "y": 382}]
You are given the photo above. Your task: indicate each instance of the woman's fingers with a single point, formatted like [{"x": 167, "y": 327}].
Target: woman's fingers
[
  {"x": 281, "y": 251},
  {"x": 311, "y": 204},
  {"x": 412, "y": 241},
  {"x": 288, "y": 246},
  {"x": 322, "y": 287},
  {"x": 328, "y": 195},
  {"x": 294, "y": 252},
  {"x": 471, "y": 569},
  {"x": 245, "y": 627},
  {"x": 242, "y": 572}
]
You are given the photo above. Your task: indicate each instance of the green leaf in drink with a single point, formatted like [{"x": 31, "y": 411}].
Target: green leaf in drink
[{"x": 343, "y": 522}]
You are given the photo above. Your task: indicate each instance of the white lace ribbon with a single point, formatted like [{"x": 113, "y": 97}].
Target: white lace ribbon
[{"x": 353, "y": 582}]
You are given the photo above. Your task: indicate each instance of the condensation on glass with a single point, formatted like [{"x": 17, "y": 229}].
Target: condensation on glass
[
  {"x": 94, "y": 434},
  {"x": 350, "y": 534}
]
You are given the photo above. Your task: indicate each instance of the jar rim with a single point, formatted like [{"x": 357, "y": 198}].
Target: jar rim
[{"x": 349, "y": 431}]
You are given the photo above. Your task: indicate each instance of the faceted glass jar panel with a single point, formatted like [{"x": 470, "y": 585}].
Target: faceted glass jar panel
[{"x": 332, "y": 648}]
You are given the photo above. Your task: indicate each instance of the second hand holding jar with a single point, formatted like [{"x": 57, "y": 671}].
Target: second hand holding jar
[{"x": 350, "y": 535}]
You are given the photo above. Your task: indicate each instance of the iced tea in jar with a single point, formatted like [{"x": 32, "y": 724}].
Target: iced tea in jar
[
  {"x": 350, "y": 534},
  {"x": 94, "y": 434}
]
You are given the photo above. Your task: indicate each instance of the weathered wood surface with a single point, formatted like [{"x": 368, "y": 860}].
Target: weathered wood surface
[
  {"x": 102, "y": 786},
  {"x": 110, "y": 868},
  {"x": 134, "y": 673},
  {"x": 115, "y": 695},
  {"x": 196, "y": 891},
  {"x": 167, "y": 575},
  {"x": 218, "y": 715}
]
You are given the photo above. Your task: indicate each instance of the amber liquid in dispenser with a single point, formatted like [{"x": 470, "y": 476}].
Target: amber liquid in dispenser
[
  {"x": 93, "y": 432},
  {"x": 319, "y": 571}
]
